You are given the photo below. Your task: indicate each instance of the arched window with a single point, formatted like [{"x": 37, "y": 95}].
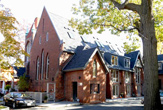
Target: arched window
[
  {"x": 37, "y": 68},
  {"x": 47, "y": 36},
  {"x": 47, "y": 66},
  {"x": 42, "y": 64},
  {"x": 94, "y": 68},
  {"x": 40, "y": 40},
  {"x": 28, "y": 51}
]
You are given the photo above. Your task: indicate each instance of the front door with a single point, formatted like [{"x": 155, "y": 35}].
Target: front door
[{"x": 74, "y": 91}]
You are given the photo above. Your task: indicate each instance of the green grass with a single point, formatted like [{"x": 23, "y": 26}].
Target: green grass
[{"x": 1, "y": 107}]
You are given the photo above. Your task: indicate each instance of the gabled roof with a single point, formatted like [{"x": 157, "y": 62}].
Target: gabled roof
[
  {"x": 81, "y": 58},
  {"x": 71, "y": 38},
  {"x": 20, "y": 70},
  {"x": 134, "y": 56}
]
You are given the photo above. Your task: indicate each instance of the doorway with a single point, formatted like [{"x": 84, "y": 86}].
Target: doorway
[{"x": 74, "y": 91}]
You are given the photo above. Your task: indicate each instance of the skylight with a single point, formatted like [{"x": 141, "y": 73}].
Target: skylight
[
  {"x": 85, "y": 39},
  {"x": 70, "y": 35}
]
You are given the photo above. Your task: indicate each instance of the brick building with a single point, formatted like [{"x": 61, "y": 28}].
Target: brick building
[{"x": 84, "y": 68}]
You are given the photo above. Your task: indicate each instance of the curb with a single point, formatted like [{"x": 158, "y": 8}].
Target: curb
[{"x": 7, "y": 108}]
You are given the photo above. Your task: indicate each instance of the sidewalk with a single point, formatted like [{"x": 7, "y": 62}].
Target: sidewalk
[
  {"x": 121, "y": 99},
  {"x": 57, "y": 104}
]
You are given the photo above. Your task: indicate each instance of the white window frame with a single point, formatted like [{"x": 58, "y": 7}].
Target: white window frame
[
  {"x": 159, "y": 66},
  {"x": 127, "y": 63},
  {"x": 115, "y": 61},
  {"x": 127, "y": 77},
  {"x": 38, "y": 67},
  {"x": 115, "y": 76},
  {"x": 47, "y": 66},
  {"x": 116, "y": 91},
  {"x": 47, "y": 36}
]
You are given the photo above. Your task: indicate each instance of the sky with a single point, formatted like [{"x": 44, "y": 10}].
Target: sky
[{"x": 28, "y": 10}]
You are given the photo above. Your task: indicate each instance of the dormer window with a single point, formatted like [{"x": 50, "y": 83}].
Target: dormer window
[
  {"x": 159, "y": 66},
  {"x": 127, "y": 63},
  {"x": 114, "y": 60}
]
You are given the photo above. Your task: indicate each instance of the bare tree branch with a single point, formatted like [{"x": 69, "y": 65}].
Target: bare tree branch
[{"x": 126, "y": 5}]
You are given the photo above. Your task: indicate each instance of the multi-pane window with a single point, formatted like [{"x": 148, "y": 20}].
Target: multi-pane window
[
  {"x": 37, "y": 68},
  {"x": 127, "y": 63},
  {"x": 137, "y": 75},
  {"x": 127, "y": 77},
  {"x": 115, "y": 90},
  {"x": 47, "y": 67},
  {"x": 139, "y": 89},
  {"x": 40, "y": 40},
  {"x": 47, "y": 36},
  {"x": 114, "y": 60},
  {"x": 114, "y": 76},
  {"x": 94, "y": 88},
  {"x": 42, "y": 64},
  {"x": 128, "y": 90},
  {"x": 159, "y": 65},
  {"x": 94, "y": 68},
  {"x": 138, "y": 63}
]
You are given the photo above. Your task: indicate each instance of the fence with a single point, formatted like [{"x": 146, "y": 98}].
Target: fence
[{"x": 39, "y": 96}]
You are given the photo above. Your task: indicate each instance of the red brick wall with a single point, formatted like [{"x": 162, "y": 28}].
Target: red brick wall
[
  {"x": 51, "y": 47},
  {"x": 86, "y": 78}
]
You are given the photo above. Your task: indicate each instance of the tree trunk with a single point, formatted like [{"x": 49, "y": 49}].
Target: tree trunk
[{"x": 151, "y": 93}]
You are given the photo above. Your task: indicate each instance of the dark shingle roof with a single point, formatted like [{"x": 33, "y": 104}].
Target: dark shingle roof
[
  {"x": 20, "y": 70},
  {"x": 160, "y": 57},
  {"x": 134, "y": 56},
  {"x": 120, "y": 66},
  {"x": 80, "y": 59}
]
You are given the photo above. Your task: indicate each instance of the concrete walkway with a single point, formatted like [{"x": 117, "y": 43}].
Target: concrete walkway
[
  {"x": 58, "y": 104},
  {"x": 121, "y": 99}
]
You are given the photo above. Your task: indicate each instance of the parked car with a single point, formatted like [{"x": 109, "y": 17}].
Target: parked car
[
  {"x": 161, "y": 98},
  {"x": 17, "y": 99}
]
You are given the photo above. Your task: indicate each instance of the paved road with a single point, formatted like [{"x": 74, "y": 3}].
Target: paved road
[{"x": 115, "y": 105}]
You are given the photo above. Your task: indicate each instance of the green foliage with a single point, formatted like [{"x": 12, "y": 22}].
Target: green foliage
[
  {"x": 10, "y": 49},
  {"x": 103, "y": 15},
  {"x": 23, "y": 82},
  {"x": 7, "y": 87},
  {"x": 133, "y": 45}
]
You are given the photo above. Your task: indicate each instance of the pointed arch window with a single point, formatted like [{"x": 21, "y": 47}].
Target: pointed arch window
[
  {"x": 94, "y": 68},
  {"x": 42, "y": 64},
  {"x": 37, "y": 68},
  {"x": 47, "y": 36},
  {"x": 47, "y": 66}
]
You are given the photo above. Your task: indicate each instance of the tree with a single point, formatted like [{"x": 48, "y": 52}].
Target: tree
[
  {"x": 133, "y": 45},
  {"x": 10, "y": 49},
  {"x": 7, "y": 87},
  {"x": 141, "y": 17},
  {"x": 23, "y": 82}
]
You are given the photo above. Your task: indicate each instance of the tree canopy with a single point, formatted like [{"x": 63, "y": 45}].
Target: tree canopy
[
  {"x": 104, "y": 15},
  {"x": 140, "y": 17},
  {"x": 10, "y": 49}
]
